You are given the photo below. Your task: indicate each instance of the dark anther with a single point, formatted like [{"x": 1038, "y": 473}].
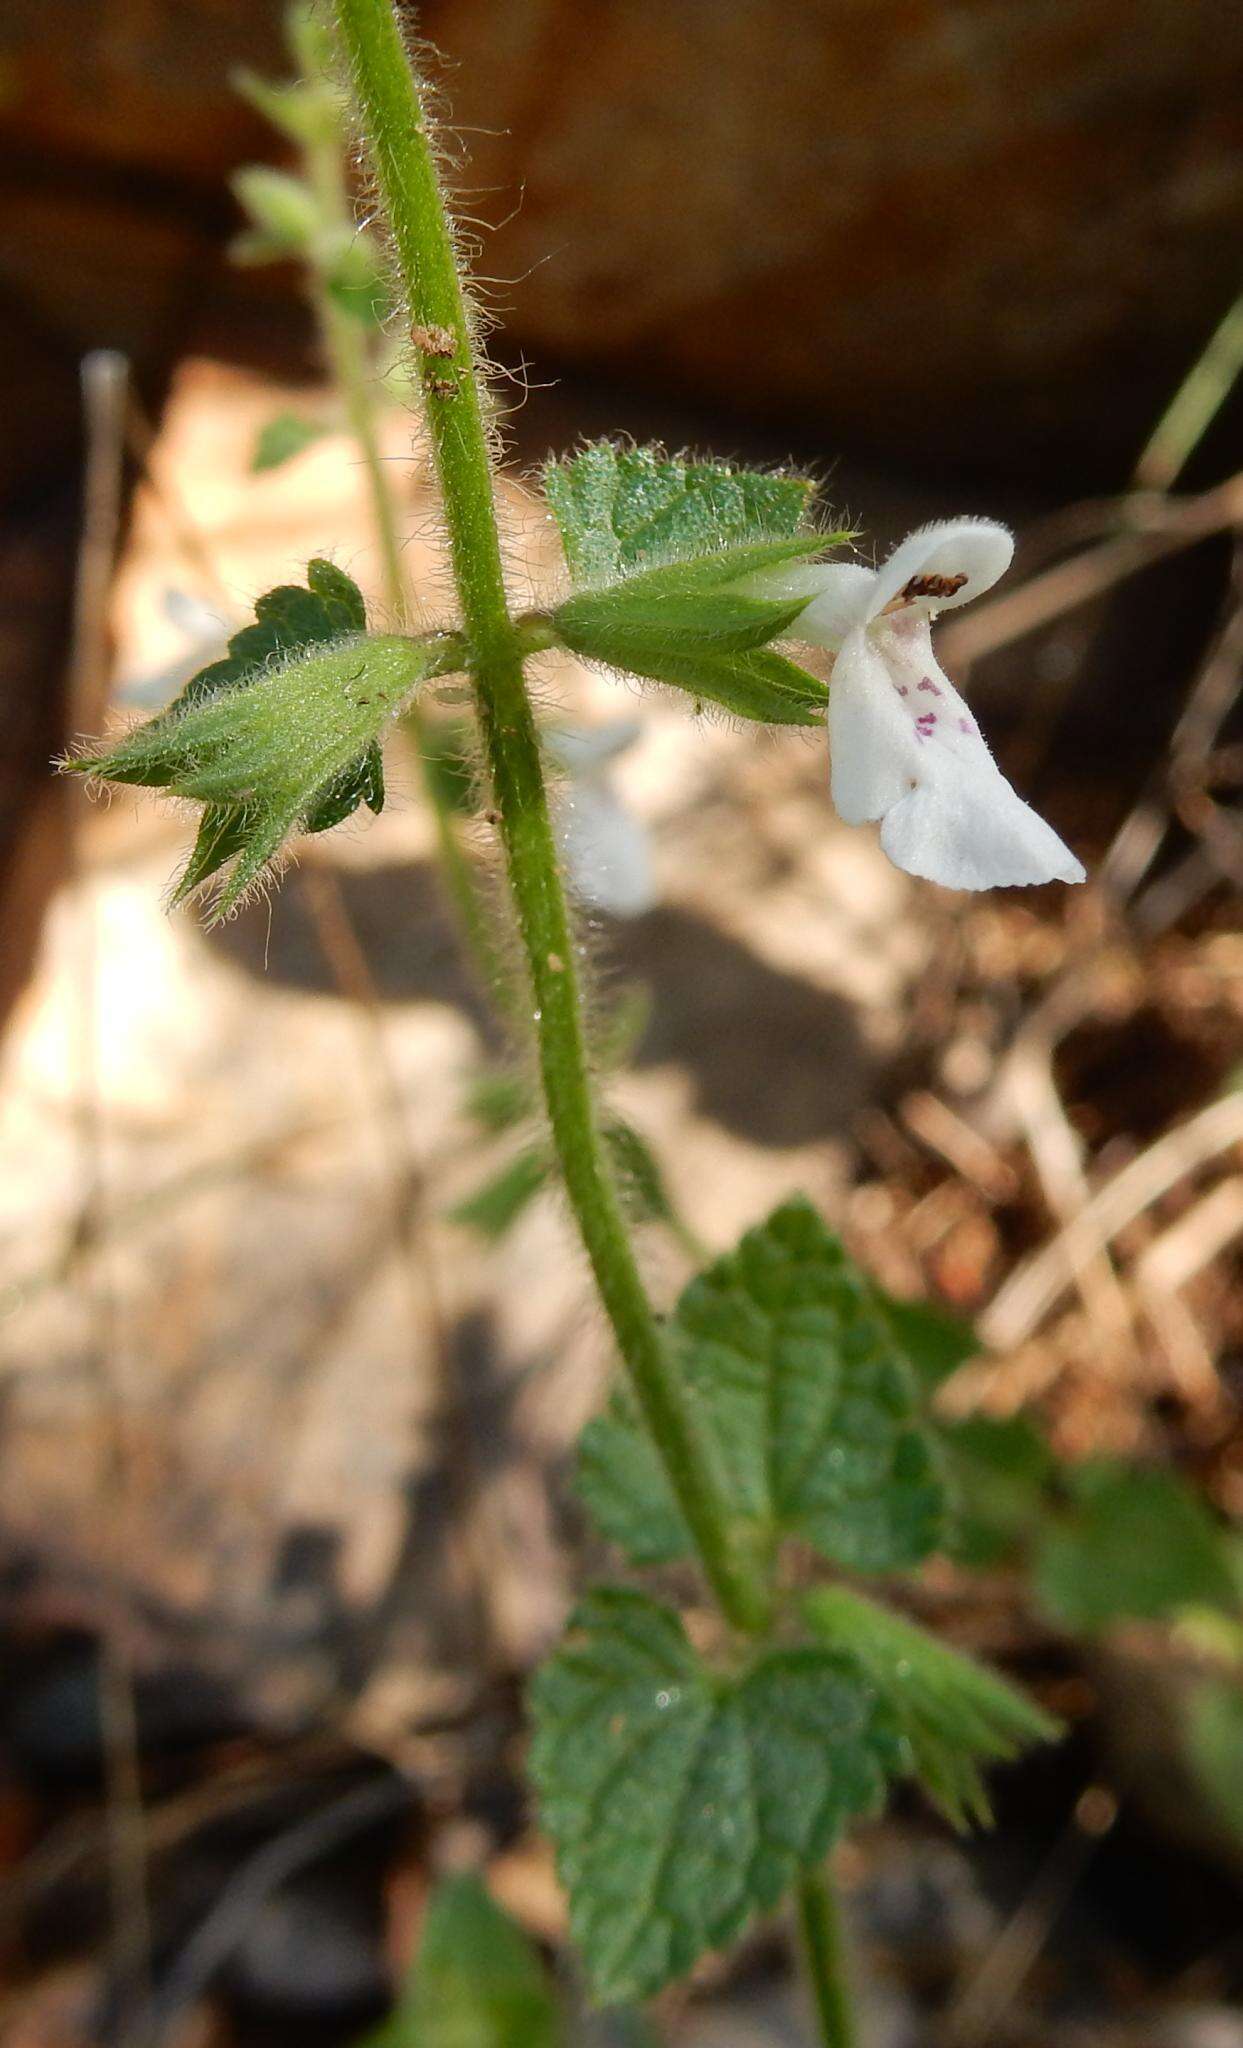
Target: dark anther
[{"x": 933, "y": 586}]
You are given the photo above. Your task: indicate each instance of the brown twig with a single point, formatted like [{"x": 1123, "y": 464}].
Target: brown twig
[
  {"x": 975, "y": 2014},
  {"x": 1164, "y": 528},
  {"x": 105, "y": 381},
  {"x": 1035, "y": 1287},
  {"x": 232, "y": 1915}
]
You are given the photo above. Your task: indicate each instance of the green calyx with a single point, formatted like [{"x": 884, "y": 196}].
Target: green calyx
[
  {"x": 957, "y": 1717},
  {"x": 688, "y": 628},
  {"x": 658, "y": 548},
  {"x": 282, "y": 735}
]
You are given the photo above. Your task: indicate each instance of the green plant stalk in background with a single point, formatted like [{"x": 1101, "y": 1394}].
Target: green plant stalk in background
[
  {"x": 396, "y": 130},
  {"x": 345, "y": 346},
  {"x": 820, "y": 1923}
]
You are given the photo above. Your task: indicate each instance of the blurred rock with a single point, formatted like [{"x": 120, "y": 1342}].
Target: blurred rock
[
  {"x": 315, "y": 1949},
  {"x": 983, "y": 235},
  {"x": 978, "y": 234},
  {"x": 1204, "y": 2026}
]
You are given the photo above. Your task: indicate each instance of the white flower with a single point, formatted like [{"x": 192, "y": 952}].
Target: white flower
[
  {"x": 905, "y": 748},
  {"x": 604, "y": 845}
]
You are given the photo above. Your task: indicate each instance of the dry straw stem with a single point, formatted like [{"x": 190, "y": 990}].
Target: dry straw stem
[
  {"x": 1161, "y": 529},
  {"x": 1035, "y": 1288}
]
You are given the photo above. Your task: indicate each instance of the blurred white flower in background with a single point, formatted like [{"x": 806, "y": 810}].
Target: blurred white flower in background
[
  {"x": 206, "y": 632},
  {"x": 605, "y": 847}
]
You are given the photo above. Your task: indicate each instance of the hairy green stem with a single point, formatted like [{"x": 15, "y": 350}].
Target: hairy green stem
[
  {"x": 824, "y": 1952},
  {"x": 395, "y": 123},
  {"x": 345, "y": 346}
]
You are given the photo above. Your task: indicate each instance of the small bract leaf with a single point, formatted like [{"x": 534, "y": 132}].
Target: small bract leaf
[
  {"x": 302, "y": 112},
  {"x": 628, "y": 620},
  {"x": 342, "y": 600},
  {"x": 1214, "y": 1742},
  {"x": 956, "y": 1716},
  {"x": 620, "y": 509},
  {"x": 287, "y": 619},
  {"x": 280, "y": 439},
  {"x": 449, "y": 761},
  {"x": 935, "y": 1342},
  {"x": 499, "y": 1098},
  {"x": 361, "y": 782},
  {"x": 282, "y": 735},
  {"x": 762, "y": 687},
  {"x": 807, "y": 1400},
  {"x": 476, "y": 1981},
  {"x": 1136, "y": 1544},
  {"x": 638, "y": 1172},
  {"x": 495, "y": 1207},
  {"x": 355, "y": 279},
  {"x": 681, "y": 1802},
  {"x": 999, "y": 1470},
  {"x": 283, "y": 208}
]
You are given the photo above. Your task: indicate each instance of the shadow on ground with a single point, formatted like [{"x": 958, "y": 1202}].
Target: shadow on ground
[{"x": 774, "y": 1058}]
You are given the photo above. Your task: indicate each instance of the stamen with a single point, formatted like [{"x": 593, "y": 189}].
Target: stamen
[{"x": 933, "y": 586}]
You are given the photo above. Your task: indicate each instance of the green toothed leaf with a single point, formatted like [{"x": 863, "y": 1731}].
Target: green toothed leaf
[
  {"x": 1000, "y": 1471},
  {"x": 1135, "y": 1544},
  {"x": 476, "y": 1981},
  {"x": 620, "y": 1481},
  {"x": 808, "y": 1403},
  {"x": 956, "y": 1716},
  {"x": 621, "y": 509},
  {"x": 682, "y": 1802},
  {"x": 997, "y": 1469},
  {"x": 935, "y": 1342}
]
